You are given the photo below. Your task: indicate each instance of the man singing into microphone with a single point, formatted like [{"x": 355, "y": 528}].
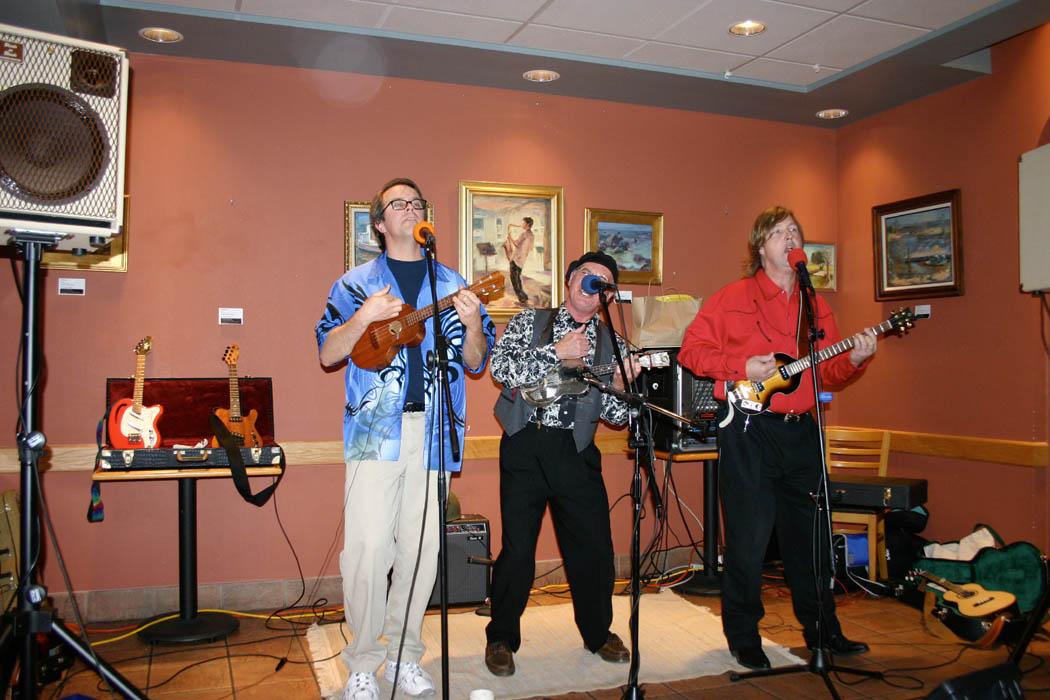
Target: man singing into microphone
[
  {"x": 390, "y": 442},
  {"x": 547, "y": 456},
  {"x": 769, "y": 463}
]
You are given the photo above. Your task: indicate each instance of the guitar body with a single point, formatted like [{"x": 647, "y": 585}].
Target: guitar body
[
  {"x": 131, "y": 430},
  {"x": 242, "y": 430},
  {"x": 975, "y": 601},
  {"x": 754, "y": 397},
  {"x": 383, "y": 339}
]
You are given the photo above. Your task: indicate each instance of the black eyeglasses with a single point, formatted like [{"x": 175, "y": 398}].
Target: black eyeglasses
[{"x": 402, "y": 204}]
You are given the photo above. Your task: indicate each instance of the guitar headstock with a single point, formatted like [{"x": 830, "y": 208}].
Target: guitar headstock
[
  {"x": 902, "y": 319},
  {"x": 489, "y": 287},
  {"x": 231, "y": 354},
  {"x": 144, "y": 345}
]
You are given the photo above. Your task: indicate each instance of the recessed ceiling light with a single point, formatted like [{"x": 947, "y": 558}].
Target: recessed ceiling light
[
  {"x": 747, "y": 28},
  {"x": 160, "y": 35},
  {"x": 835, "y": 113},
  {"x": 541, "y": 76}
]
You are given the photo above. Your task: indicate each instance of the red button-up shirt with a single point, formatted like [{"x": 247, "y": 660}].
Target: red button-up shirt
[{"x": 753, "y": 316}]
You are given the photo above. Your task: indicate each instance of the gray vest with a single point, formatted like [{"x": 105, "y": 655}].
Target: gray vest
[{"x": 514, "y": 414}]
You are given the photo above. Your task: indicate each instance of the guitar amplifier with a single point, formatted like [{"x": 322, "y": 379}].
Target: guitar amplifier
[
  {"x": 680, "y": 391},
  {"x": 855, "y": 491},
  {"x": 466, "y": 539}
]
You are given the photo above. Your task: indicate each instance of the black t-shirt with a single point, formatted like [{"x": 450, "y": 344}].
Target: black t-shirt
[{"x": 409, "y": 276}]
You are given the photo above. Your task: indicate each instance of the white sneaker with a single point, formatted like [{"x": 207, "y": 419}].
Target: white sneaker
[
  {"x": 411, "y": 679},
  {"x": 361, "y": 686}
]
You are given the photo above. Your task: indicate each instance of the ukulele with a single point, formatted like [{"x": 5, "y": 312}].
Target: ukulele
[
  {"x": 971, "y": 599},
  {"x": 382, "y": 339},
  {"x": 242, "y": 428},
  {"x": 131, "y": 425},
  {"x": 753, "y": 397},
  {"x": 565, "y": 378}
]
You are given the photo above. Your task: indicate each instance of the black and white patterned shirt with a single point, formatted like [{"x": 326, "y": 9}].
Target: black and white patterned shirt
[{"x": 516, "y": 363}]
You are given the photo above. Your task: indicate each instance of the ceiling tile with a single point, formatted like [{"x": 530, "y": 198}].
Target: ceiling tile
[
  {"x": 931, "y": 14},
  {"x": 518, "y": 10},
  {"x": 708, "y": 28},
  {"x": 448, "y": 25},
  {"x": 686, "y": 58},
  {"x": 832, "y": 5},
  {"x": 217, "y": 5},
  {"x": 772, "y": 71},
  {"x": 846, "y": 41},
  {"x": 569, "y": 41},
  {"x": 620, "y": 17},
  {"x": 340, "y": 12}
]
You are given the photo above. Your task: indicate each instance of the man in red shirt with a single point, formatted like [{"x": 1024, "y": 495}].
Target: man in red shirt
[{"x": 769, "y": 463}]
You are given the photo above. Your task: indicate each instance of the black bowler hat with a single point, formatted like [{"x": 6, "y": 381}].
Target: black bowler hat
[{"x": 596, "y": 257}]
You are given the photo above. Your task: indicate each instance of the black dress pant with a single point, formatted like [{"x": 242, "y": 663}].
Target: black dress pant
[
  {"x": 540, "y": 466},
  {"x": 768, "y": 470}
]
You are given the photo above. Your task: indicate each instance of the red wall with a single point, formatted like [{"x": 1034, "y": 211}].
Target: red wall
[{"x": 237, "y": 174}]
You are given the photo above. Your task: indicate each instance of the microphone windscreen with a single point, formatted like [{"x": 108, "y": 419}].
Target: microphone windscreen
[
  {"x": 796, "y": 256},
  {"x": 422, "y": 231},
  {"x": 592, "y": 284}
]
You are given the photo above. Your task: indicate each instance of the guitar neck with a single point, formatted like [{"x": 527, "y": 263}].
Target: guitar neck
[
  {"x": 798, "y": 366},
  {"x": 235, "y": 394},
  {"x": 427, "y": 311},
  {"x": 140, "y": 380},
  {"x": 958, "y": 590}
]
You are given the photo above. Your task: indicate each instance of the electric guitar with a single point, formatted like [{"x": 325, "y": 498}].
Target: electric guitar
[
  {"x": 753, "y": 397},
  {"x": 131, "y": 425},
  {"x": 971, "y": 599},
  {"x": 565, "y": 379},
  {"x": 382, "y": 339},
  {"x": 242, "y": 428}
]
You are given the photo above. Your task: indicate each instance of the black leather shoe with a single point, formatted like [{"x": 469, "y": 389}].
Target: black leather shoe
[
  {"x": 751, "y": 657},
  {"x": 613, "y": 650},
  {"x": 841, "y": 646},
  {"x": 499, "y": 659}
]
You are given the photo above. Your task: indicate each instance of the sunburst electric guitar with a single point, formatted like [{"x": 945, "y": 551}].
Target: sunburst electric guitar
[
  {"x": 753, "y": 397},
  {"x": 242, "y": 428},
  {"x": 131, "y": 425},
  {"x": 382, "y": 339}
]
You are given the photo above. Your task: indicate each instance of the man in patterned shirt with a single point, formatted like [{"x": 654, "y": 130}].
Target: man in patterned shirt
[
  {"x": 548, "y": 455},
  {"x": 391, "y": 442}
]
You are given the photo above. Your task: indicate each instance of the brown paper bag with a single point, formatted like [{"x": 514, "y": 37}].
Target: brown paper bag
[{"x": 660, "y": 321}]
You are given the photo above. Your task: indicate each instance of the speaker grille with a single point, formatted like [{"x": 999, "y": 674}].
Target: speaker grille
[{"x": 62, "y": 108}]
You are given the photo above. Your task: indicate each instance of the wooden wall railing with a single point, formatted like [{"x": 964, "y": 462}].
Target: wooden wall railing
[{"x": 1014, "y": 452}]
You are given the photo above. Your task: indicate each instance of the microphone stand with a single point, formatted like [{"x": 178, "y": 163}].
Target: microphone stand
[
  {"x": 821, "y": 662},
  {"x": 438, "y": 362},
  {"x": 640, "y": 438},
  {"x": 30, "y": 620}
]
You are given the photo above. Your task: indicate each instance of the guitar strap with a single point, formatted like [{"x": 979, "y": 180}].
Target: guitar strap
[{"x": 240, "y": 476}]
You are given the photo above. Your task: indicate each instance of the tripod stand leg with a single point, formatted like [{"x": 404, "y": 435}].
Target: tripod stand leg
[{"x": 110, "y": 674}]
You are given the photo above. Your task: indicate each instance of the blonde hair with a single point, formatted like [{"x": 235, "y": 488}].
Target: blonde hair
[{"x": 763, "y": 226}]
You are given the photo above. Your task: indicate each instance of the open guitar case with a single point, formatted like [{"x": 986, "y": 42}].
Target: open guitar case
[
  {"x": 187, "y": 419},
  {"x": 1018, "y": 568}
]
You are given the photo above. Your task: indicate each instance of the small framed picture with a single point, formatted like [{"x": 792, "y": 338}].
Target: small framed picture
[
  {"x": 823, "y": 266},
  {"x": 634, "y": 239},
  {"x": 361, "y": 242},
  {"x": 918, "y": 247}
]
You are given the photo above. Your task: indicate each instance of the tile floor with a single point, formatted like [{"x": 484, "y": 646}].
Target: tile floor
[{"x": 244, "y": 666}]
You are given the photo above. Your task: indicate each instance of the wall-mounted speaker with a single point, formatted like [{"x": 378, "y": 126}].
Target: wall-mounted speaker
[
  {"x": 63, "y": 117},
  {"x": 678, "y": 390}
]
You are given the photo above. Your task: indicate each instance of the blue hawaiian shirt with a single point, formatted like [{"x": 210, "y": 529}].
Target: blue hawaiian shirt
[{"x": 372, "y": 415}]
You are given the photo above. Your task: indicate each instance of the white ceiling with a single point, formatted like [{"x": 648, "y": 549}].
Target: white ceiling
[{"x": 863, "y": 55}]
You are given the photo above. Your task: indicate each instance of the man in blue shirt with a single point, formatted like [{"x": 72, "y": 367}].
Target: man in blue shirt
[{"x": 391, "y": 440}]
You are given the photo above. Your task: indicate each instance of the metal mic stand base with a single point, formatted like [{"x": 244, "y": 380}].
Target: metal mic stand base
[{"x": 819, "y": 664}]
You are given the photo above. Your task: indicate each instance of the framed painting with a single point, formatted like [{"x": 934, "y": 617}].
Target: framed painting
[
  {"x": 111, "y": 258},
  {"x": 918, "y": 247},
  {"x": 823, "y": 266},
  {"x": 361, "y": 243},
  {"x": 634, "y": 239},
  {"x": 516, "y": 230}
]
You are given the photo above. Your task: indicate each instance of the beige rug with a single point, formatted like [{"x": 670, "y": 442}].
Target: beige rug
[{"x": 677, "y": 640}]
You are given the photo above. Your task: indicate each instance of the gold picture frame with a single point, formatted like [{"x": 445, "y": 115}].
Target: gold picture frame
[
  {"x": 634, "y": 239},
  {"x": 489, "y": 212},
  {"x": 113, "y": 258},
  {"x": 361, "y": 245}
]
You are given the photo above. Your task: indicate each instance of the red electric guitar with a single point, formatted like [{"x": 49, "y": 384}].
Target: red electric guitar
[
  {"x": 131, "y": 425},
  {"x": 242, "y": 428}
]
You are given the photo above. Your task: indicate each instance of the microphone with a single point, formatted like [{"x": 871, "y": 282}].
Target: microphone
[
  {"x": 424, "y": 234},
  {"x": 797, "y": 259},
  {"x": 592, "y": 284}
]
